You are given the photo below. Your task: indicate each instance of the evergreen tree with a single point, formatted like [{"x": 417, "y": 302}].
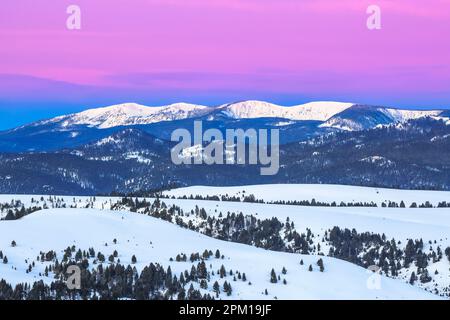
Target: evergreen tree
[
  {"x": 216, "y": 288},
  {"x": 413, "y": 278},
  {"x": 273, "y": 276},
  {"x": 320, "y": 264},
  {"x": 222, "y": 272}
]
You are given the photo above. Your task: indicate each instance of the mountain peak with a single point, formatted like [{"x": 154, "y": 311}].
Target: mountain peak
[
  {"x": 318, "y": 110},
  {"x": 131, "y": 114}
]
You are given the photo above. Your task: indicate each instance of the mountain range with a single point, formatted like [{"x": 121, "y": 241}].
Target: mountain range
[
  {"x": 296, "y": 123},
  {"x": 126, "y": 148}
]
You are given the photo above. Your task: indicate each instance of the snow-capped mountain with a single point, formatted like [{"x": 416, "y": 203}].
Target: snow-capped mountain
[
  {"x": 360, "y": 117},
  {"x": 320, "y": 110},
  {"x": 128, "y": 114},
  {"x": 296, "y": 123},
  {"x": 340, "y": 115}
]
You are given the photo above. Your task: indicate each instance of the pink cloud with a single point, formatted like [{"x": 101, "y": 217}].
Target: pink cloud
[{"x": 276, "y": 45}]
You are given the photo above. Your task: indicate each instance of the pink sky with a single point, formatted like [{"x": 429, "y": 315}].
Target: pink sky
[{"x": 218, "y": 50}]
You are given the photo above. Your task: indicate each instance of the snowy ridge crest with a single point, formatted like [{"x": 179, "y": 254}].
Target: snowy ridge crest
[{"x": 338, "y": 115}]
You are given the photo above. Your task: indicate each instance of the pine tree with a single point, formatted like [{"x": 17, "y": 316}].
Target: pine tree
[
  {"x": 320, "y": 264},
  {"x": 203, "y": 284},
  {"x": 181, "y": 294},
  {"x": 222, "y": 272},
  {"x": 424, "y": 277},
  {"x": 447, "y": 253},
  {"x": 310, "y": 268},
  {"x": 202, "y": 272},
  {"x": 227, "y": 288},
  {"x": 273, "y": 276},
  {"x": 216, "y": 288},
  {"x": 413, "y": 278},
  {"x": 133, "y": 259},
  {"x": 78, "y": 255},
  {"x": 100, "y": 257}
]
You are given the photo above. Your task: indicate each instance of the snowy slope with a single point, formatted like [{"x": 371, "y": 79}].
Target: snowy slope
[
  {"x": 401, "y": 224},
  {"x": 130, "y": 114},
  {"x": 360, "y": 117},
  {"x": 319, "y": 110},
  {"x": 153, "y": 240},
  {"x": 404, "y": 115},
  {"x": 320, "y": 192},
  {"x": 133, "y": 114}
]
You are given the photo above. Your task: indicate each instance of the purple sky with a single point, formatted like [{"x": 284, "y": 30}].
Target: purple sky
[{"x": 216, "y": 51}]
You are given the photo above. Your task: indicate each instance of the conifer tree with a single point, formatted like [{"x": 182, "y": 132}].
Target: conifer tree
[
  {"x": 320, "y": 264},
  {"x": 273, "y": 276},
  {"x": 216, "y": 288}
]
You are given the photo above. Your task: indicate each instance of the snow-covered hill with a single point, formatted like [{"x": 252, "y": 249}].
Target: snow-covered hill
[
  {"x": 320, "y": 192},
  {"x": 153, "y": 240}
]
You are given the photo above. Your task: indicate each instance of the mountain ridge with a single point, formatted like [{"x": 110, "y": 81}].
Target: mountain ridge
[
  {"x": 131, "y": 113},
  {"x": 414, "y": 155},
  {"x": 296, "y": 123}
]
